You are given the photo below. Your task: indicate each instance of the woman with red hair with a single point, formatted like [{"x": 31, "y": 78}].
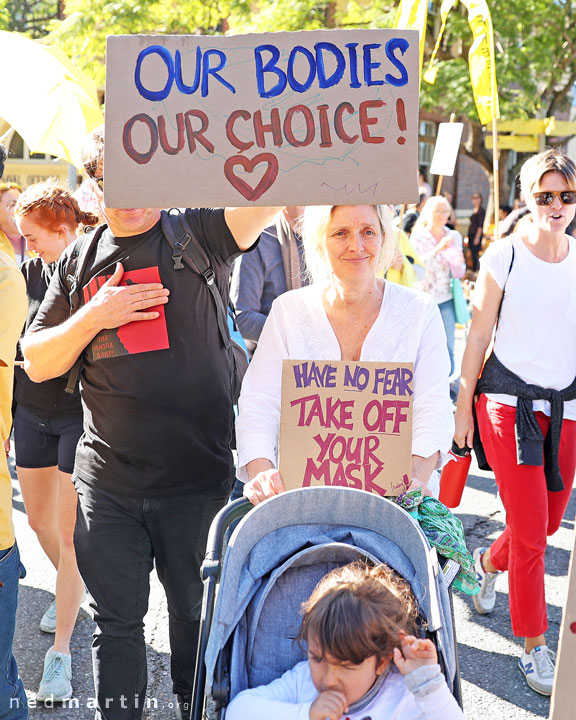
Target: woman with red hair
[{"x": 47, "y": 427}]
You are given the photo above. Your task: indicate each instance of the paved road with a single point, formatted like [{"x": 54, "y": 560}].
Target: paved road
[
  {"x": 492, "y": 685},
  {"x": 493, "y": 688}
]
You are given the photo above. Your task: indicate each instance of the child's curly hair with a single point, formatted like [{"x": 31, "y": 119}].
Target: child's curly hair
[{"x": 358, "y": 611}]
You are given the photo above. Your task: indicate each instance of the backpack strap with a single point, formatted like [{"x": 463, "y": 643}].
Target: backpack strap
[
  {"x": 186, "y": 249},
  {"x": 505, "y": 283},
  {"x": 75, "y": 271}
]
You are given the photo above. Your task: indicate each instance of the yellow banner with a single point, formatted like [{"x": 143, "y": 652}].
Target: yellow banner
[
  {"x": 412, "y": 15},
  {"x": 481, "y": 60},
  {"x": 431, "y": 71}
]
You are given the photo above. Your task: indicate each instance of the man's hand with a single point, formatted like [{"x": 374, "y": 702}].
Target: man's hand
[
  {"x": 413, "y": 653},
  {"x": 114, "y": 306},
  {"x": 329, "y": 705}
]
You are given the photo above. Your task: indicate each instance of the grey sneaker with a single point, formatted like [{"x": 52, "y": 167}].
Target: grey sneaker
[
  {"x": 485, "y": 600},
  {"x": 48, "y": 622},
  {"x": 538, "y": 669},
  {"x": 56, "y": 682}
]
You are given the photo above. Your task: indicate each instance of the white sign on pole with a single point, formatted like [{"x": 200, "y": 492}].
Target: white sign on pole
[{"x": 446, "y": 150}]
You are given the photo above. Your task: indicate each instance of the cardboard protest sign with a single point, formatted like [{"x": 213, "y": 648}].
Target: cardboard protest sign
[
  {"x": 305, "y": 118},
  {"x": 563, "y": 703},
  {"x": 348, "y": 424}
]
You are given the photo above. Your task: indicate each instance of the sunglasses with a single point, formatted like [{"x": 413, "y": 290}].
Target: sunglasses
[
  {"x": 567, "y": 197},
  {"x": 100, "y": 182}
]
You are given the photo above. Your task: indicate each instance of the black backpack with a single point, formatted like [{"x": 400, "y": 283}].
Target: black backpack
[{"x": 186, "y": 250}]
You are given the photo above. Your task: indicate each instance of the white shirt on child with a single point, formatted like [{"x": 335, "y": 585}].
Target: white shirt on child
[
  {"x": 536, "y": 335},
  {"x": 290, "y": 697}
]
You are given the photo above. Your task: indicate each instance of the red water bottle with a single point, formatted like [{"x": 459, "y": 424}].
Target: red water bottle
[{"x": 454, "y": 475}]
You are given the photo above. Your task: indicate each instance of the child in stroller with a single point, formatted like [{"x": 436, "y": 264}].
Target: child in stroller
[{"x": 358, "y": 620}]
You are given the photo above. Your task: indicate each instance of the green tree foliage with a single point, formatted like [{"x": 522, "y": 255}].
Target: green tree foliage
[
  {"x": 82, "y": 34},
  {"x": 29, "y": 16},
  {"x": 535, "y": 66}
]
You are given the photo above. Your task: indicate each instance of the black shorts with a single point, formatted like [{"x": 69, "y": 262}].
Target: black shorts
[{"x": 41, "y": 442}]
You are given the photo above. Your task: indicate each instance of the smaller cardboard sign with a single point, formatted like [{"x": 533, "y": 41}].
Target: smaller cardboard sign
[
  {"x": 446, "y": 150},
  {"x": 563, "y": 702},
  {"x": 347, "y": 424}
]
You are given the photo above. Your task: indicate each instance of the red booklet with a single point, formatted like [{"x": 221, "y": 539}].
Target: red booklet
[{"x": 135, "y": 337}]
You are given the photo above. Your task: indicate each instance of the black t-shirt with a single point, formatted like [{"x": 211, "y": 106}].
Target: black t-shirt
[
  {"x": 156, "y": 394},
  {"x": 47, "y": 399},
  {"x": 476, "y": 221}
]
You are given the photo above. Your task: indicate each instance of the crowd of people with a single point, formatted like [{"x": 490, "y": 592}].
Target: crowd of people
[{"x": 124, "y": 417}]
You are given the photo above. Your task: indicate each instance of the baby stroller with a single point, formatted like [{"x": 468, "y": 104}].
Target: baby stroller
[{"x": 274, "y": 559}]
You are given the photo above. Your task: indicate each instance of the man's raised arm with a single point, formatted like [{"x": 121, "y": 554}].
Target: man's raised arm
[{"x": 246, "y": 223}]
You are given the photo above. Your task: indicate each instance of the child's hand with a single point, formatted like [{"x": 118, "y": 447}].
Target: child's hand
[
  {"x": 414, "y": 653},
  {"x": 329, "y": 705}
]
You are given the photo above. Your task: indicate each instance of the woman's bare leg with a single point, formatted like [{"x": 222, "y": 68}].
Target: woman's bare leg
[
  {"x": 69, "y": 586},
  {"x": 40, "y": 490}
]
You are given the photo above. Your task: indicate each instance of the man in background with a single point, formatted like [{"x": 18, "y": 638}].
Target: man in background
[{"x": 259, "y": 277}]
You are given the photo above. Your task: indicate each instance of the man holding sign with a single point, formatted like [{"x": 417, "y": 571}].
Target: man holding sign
[
  {"x": 154, "y": 464},
  {"x": 393, "y": 370}
]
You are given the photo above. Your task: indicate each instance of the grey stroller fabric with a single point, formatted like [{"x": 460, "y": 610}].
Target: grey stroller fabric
[{"x": 282, "y": 548}]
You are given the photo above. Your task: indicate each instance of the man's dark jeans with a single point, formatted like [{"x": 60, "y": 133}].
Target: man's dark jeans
[{"x": 117, "y": 540}]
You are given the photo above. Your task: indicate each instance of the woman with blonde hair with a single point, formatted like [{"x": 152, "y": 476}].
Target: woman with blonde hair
[
  {"x": 440, "y": 249},
  {"x": 525, "y": 295},
  {"x": 350, "y": 313},
  {"x": 47, "y": 427}
]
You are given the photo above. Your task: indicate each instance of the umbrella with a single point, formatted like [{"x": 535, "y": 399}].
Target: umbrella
[{"x": 48, "y": 101}]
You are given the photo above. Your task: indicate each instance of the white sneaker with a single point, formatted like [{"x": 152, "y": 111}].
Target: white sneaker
[
  {"x": 538, "y": 669},
  {"x": 56, "y": 683},
  {"x": 48, "y": 622},
  {"x": 484, "y": 600}
]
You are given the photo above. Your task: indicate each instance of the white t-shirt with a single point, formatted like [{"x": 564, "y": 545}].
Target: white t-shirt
[
  {"x": 290, "y": 697},
  {"x": 408, "y": 329},
  {"x": 536, "y": 335}
]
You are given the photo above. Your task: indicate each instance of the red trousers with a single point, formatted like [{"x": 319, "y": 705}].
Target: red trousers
[{"x": 532, "y": 512}]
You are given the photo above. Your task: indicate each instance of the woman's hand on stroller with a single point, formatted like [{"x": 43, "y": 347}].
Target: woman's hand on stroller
[
  {"x": 413, "y": 653},
  {"x": 329, "y": 705},
  {"x": 265, "y": 481}
]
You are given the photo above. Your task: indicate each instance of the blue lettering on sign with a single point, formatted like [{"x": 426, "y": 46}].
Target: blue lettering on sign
[
  {"x": 164, "y": 53},
  {"x": 180, "y": 84},
  {"x": 323, "y": 80},
  {"x": 175, "y": 75},
  {"x": 207, "y": 70},
  {"x": 294, "y": 84},
  {"x": 391, "y": 47},
  {"x": 354, "y": 82},
  {"x": 269, "y": 66},
  {"x": 369, "y": 65}
]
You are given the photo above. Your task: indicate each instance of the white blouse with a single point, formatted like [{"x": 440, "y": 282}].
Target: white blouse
[{"x": 408, "y": 329}]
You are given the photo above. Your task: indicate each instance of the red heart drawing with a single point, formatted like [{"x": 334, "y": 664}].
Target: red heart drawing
[{"x": 242, "y": 186}]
